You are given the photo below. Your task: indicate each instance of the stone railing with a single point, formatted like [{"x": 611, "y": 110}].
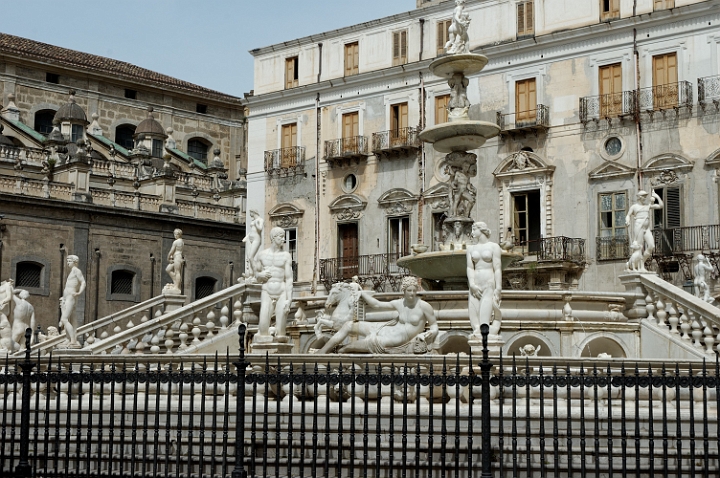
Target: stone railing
[
  {"x": 681, "y": 315},
  {"x": 32, "y": 156},
  {"x": 35, "y": 187},
  {"x": 121, "y": 170},
  {"x": 190, "y": 180}
]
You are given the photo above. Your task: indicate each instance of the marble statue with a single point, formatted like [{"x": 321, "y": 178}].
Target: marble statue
[
  {"x": 461, "y": 167},
  {"x": 702, "y": 268},
  {"x": 404, "y": 334},
  {"x": 273, "y": 269},
  {"x": 343, "y": 297},
  {"x": 458, "y": 41},
  {"x": 23, "y": 317},
  {"x": 253, "y": 241},
  {"x": 638, "y": 221},
  {"x": 484, "y": 276},
  {"x": 455, "y": 236},
  {"x": 529, "y": 350},
  {"x": 74, "y": 286},
  {"x": 459, "y": 105},
  {"x": 176, "y": 263},
  {"x": 636, "y": 262},
  {"x": 6, "y": 341}
]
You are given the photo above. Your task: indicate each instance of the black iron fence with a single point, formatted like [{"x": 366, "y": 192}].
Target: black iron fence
[
  {"x": 554, "y": 248},
  {"x": 687, "y": 239},
  {"x": 423, "y": 416},
  {"x": 352, "y": 146},
  {"x": 610, "y": 248}
]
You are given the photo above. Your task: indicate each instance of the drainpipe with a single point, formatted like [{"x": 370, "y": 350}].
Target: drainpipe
[
  {"x": 152, "y": 281},
  {"x": 97, "y": 282},
  {"x": 421, "y": 152},
  {"x": 422, "y": 38},
  {"x": 316, "y": 262},
  {"x": 638, "y": 126}
]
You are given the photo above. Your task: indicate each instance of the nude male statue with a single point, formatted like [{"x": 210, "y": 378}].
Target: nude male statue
[
  {"x": 176, "y": 261},
  {"x": 23, "y": 317},
  {"x": 405, "y": 334},
  {"x": 273, "y": 269},
  {"x": 638, "y": 221},
  {"x": 74, "y": 286}
]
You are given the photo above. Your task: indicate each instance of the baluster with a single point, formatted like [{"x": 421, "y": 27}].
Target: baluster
[
  {"x": 140, "y": 348},
  {"x": 224, "y": 312},
  {"x": 237, "y": 311},
  {"x": 661, "y": 313},
  {"x": 158, "y": 312},
  {"x": 210, "y": 325},
  {"x": 709, "y": 337},
  {"x": 196, "y": 330},
  {"x": 155, "y": 348},
  {"x": 696, "y": 329},
  {"x": 685, "y": 326},
  {"x": 183, "y": 336},
  {"x": 169, "y": 342},
  {"x": 650, "y": 306},
  {"x": 144, "y": 318},
  {"x": 91, "y": 339},
  {"x": 130, "y": 324},
  {"x": 673, "y": 320}
]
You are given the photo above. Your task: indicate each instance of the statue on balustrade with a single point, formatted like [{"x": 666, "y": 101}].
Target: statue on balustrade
[
  {"x": 273, "y": 269},
  {"x": 74, "y": 286},
  {"x": 484, "y": 274},
  {"x": 702, "y": 269},
  {"x": 176, "y": 264},
  {"x": 638, "y": 221},
  {"x": 253, "y": 241},
  {"x": 405, "y": 334}
]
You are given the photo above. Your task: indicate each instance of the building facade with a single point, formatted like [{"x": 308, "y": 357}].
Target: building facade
[
  {"x": 103, "y": 160},
  {"x": 595, "y": 99}
]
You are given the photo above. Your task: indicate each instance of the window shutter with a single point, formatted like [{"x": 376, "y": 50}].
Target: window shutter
[
  {"x": 403, "y": 44},
  {"x": 529, "y": 20},
  {"x": 396, "y": 45},
  {"x": 672, "y": 207},
  {"x": 440, "y": 36},
  {"x": 521, "y": 19}
]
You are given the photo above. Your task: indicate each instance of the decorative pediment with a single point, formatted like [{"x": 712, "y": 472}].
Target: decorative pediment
[
  {"x": 523, "y": 162},
  {"x": 397, "y": 201},
  {"x": 348, "y": 206},
  {"x": 438, "y": 197},
  {"x": 713, "y": 161},
  {"x": 285, "y": 215},
  {"x": 610, "y": 169},
  {"x": 668, "y": 162}
]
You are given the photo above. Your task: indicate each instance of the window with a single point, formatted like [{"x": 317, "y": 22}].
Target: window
[
  {"x": 352, "y": 58},
  {"x": 526, "y": 219},
  {"x": 667, "y": 218},
  {"x": 201, "y": 108},
  {"x": 157, "y": 148},
  {"x": 291, "y": 72},
  {"x": 121, "y": 282},
  {"x": 400, "y": 47},
  {"x": 525, "y": 101},
  {"x": 44, "y": 121},
  {"x": 52, "y": 78},
  {"x": 131, "y": 94},
  {"x": 443, "y": 35},
  {"x": 124, "y": 135},
  {"x": 609, "y": 9},
  {"x": 28, "y": 275},
  {"x": 438, "y": 235},
  {"x": 76, "y": 133},
  {"x": 441, "y": 108},
  {"x": 665, "y": 78},
  {"x": 204, "y": 286},
  {"x": 289, "y": 142},
  {"x": 291, "y": 247},
  {"x": 613, "y": 209},
  {"x": 664, "y": 4},
  {"x": 198, "y": 149},
  {"x": 525, "y": 19},
  {"x": 398, "y": 237},
  {"x": 398, "y": 124},
  {"x": 350, "y": 132},
  {"x": 610, "y": 81}
]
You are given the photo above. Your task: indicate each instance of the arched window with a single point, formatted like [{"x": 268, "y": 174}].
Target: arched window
[
  {"x": 124, "y": 136},
  {"x": 121, "y": 282},
  {"x": 28, "y": 275},
  {"x": 198, "y": 149},
  {"x": 44, "y": 121},
  {"x": 204, "y": 286}
]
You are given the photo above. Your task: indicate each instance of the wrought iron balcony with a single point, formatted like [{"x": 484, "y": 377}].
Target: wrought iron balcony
[
  {"x": 377, "y": 269},
  {"x": 612, "y": 248},
  {"x": 397, "y": 141},
  {"x": 353, "y": 147},
  {"x": 665, "y": 97},
  {"x": 594, "y": 108},
  {"x": 709, "y": 91},
  {"x": 285, "y": 160},
  {"x": 681, "y": 240},
  {"x": 521, "y": 121},
  {"x": 553, "y": 249}
]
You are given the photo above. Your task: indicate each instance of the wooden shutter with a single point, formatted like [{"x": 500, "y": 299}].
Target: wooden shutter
[
  {"x": 663, "y": 4},
  {"x": 525, "y": 20},
  {"x": 400, "y": 47},
  {"x": 441, "y": 112},
  {"x": 525, "y": 100},
  {"x": 291, "y": 77},
  {"x": 610, "y": 90},
  {"x": 665, "y": 78},
  {"x": 672, "y": 208},
  {"x": 609, "y": 9},
  {"x": 405, "y": 245},
  {"x": 442, "y": 36},
  {"x": 288, "y": 142},
  {"x": 352, "y": 58}
]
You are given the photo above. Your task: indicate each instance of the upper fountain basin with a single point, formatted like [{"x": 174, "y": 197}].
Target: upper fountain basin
[
  {"x": 460, "y": 135},
  {"x": 465, "y": 63}
]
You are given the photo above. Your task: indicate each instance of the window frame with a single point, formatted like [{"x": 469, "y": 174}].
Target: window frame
[
  {"x": 77, "y": 131},
  {"x": 610, "y": 13},
  {"x": 614, "y": 211},
  {"x": 199, "y": 140},
  {"x": 442, "y": 35},
  {"x": 158, "y": 148},
  {"x": 525, "y": 28},
  {"x": 292, "y": 81},
  {"x": 663, "y": 5},
  {"x": 351, "y": 67},
  {"x": 44, "y": 114},
  {"x": 205, "y": 274},
  {"x": 291, "y": 246},
  {"x": 126, "y": 126},
  {"x": 439, "y": 99},
  {"x": 44, "y": 289},
  {"x": 135, "y": 296},
  {"x": 400, "y": 47}
]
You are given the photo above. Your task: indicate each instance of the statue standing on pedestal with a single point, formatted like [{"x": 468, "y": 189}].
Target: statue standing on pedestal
[
  {"x": 458, "y": 41},
  {"x": 638, "y": 222},
  {"x": 273, "y": 269},
  {"x": 176, "y": 262},
  {"x": 74, "y": 286},
  {"x": 484, "y": 275},
  {"x": 253, "y": 240},
  {"x": 702, "y": 288}
]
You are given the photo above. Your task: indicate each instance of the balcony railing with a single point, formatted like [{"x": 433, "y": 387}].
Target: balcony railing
[
  {"x": 352, "y": 147},
  {"x": 556, "y": 248},
  {"x": 284, "y": 160},
  {"x": 664, "y": 97},
  {"x": 374, "y": 268},
  {"x": 680, "y": 240},
  {"x": 612, "y": 248},
  {"x": 395, "y": 141},
  {"x": 537, "y": 119},
  {"x": 607, "y": 106},
  {"x": 709, "y": 91}
]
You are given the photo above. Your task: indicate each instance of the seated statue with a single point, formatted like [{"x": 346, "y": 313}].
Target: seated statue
[{"x": 404, "y": 334}]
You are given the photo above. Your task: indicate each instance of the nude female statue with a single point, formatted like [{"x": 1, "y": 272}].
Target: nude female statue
[
  {"x": 484, "y": 273},
  {"x": 253, "y": 240}
]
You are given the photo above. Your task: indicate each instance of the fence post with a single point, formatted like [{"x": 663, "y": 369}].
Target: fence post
[
  {"x": 23, "y": 469},
  {"x": 485, "y": 367},
  {"x": 241, "y": 364}
]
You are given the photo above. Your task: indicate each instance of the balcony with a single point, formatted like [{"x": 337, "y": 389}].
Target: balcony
[
  {"x": 397, "y": 142},
  {"x": 378, "y": 270},
  {"x": 553, "y": 249},
  {"x": 612, "y": 248},
  {"x": 285, "y": 161},
  {"x": 346, "y": 149},
  {"x": 524, "y": 121},
  {"x": 550, "y": 263},
  {"x": 683, "y": 240},
  {"x": 616, "y": 105},
  {"x": 672, "y": 96},
  {"x": 709, "y": 92}
]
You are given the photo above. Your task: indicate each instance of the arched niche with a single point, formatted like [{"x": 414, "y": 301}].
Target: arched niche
[
  {"x": 520, "y": 340},
  {"x": 603, "y": 343}
]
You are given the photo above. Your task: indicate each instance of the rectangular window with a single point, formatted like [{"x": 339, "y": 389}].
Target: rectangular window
[
  {"x": 288, "y": 155},
  {"x": 667, "y": 218},
  {"x": 76, "y": 133},
  {"x": 348, "y": 249},
  {"x": 609, "y": 9},
  {"x": 157, "y": 148},
  {"x": 201, "y": 108},
  {"x": 441, "y": 108},
  {"x": 525, "y": 101},
  {"x": 610, "y": 81},
  {"x": 131, "y": 94},
  {"x": 52, "y": 78},
  {"x": 525, "y": 19},
  {"x": 400, "y": 47},
  {"x": 398, "y": 124},
  {"x": 664, "y": 4},
  {"x": 291, "y": 72},
  {"x": 443, "y": 35},
  {"x": 613, "y": 209},
  {"x": 352, "y": 58},
  {"x": 665, "y": 78},
  {"x": 526, "y": 219},
  {"x": 291, "y": 247},
  {"x": 398, "y": 237}
]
